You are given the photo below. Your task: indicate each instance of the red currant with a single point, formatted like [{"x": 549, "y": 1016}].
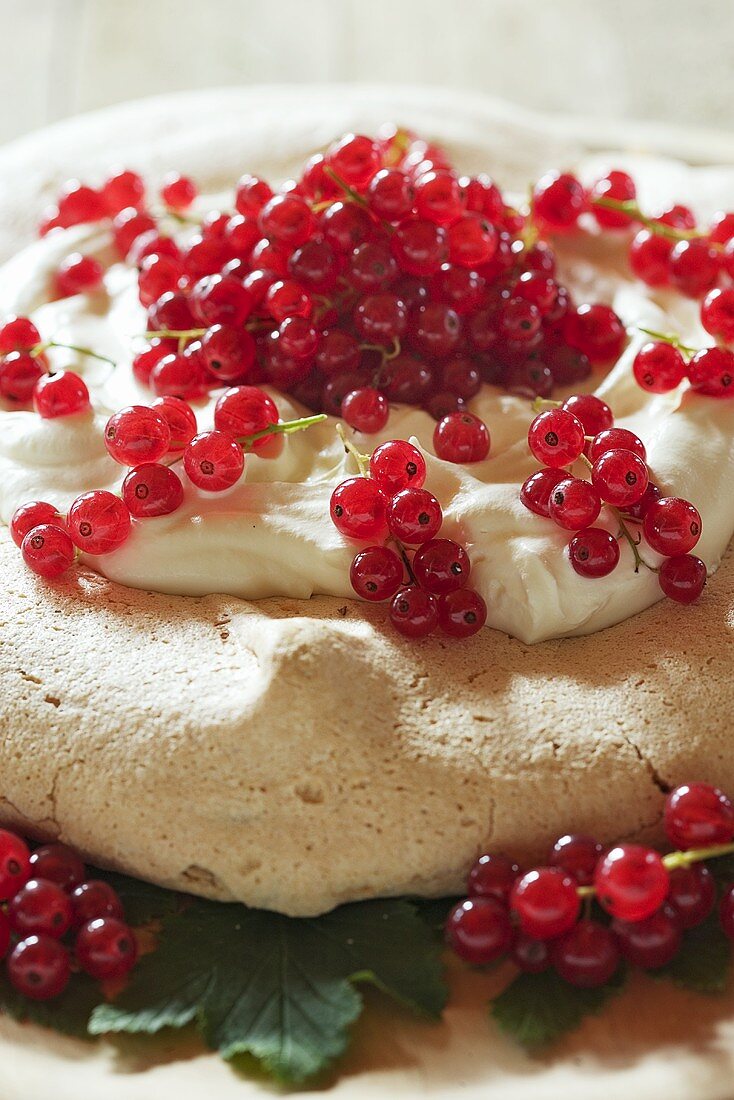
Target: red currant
[
  {"x": 214, "y": 461},
  {"x": 58, "y": 863},
  {"x": 178, "y": 192},
  {"x": 578, "y": 855},
  {"x": 492, "y": 877},
  {"x": 618, "y": 186},
  {"x": 95, "y": 899},
  {"x": 461, "y": 437},
  {"x": 47, "y": 550},
  {"x": 286, "y": 220},
  {"x": 650, "y": 257},
  {"x": 106, "y": 948},
  {"x": 596, "y": 331},
  {"x": 414, "y": 516},
  {"x": 546, "y": 901},
  {"x": 711, "y": 372},
  {"x": 152, "y": 490},
  {"x": 587, "y": 956},
  {"x": 244, "y": 411},
  {"x": 366, "y": 410},
  {"x": 355, "y": 159},
  {"x": 631, "y": 882},
  {"x": 462, "y": 613},
  {"x": 123, "y": 189},
  {"x": 558, "y": 201},
  {"x": 397, "y": 465},
  {"x": 62, "y": 394},
  {"x": 593, "y": 552},
  {"x": 694, "y": 267},
  {"x": 556, "y": 438},
  {"x": 574, "y": 504},
  {"x": 620, "y": 477},
  {"x": 479, "y": 931},
  {"x": 19, "y": 375},
  {"x": 413, "y": 612},
  {"x": 441, "y": 566},
  {"x": 376, "y": 573},
  {"x": 40, "y": 908},
  {"x": 358, "y": 508},
  {"x": 30, "y": 515},
  {"x": 18, "y": 334},
  {"x": 594, "y": 414},
  {"x": 39, "y": 968},
  {"x": 616, "y": 439},
  {"x": 692, "y": 893},
  {"x": 15, "y": 864},
  {"x": 672, "y": 526},
  {"x": 652, "y": 942},
  {"x": 137, "y": 434},
  {"x": 698, "y": 815},
  {"x": 537, "y": 490},
  {"x": 78, "y": 274},
  {"x": 682, "y": 578}
]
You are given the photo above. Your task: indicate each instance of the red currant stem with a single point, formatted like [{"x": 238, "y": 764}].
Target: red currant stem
[
  {"x": 406, "y": 560},
  {"x": 541, "y": 403},
  {"x": 283, "y": 427},
  {"x": 40, "y": 348},
  {"x": 353, "y": 195},
  {"x": 630, "y": 207},
  {"x": 174, "y": 333},
  {"x": 669, "y": 338},
  {"x": 362, "y": 460},
  {"x": 674, "y": 860},
  {"x": 177, "y": 215}
]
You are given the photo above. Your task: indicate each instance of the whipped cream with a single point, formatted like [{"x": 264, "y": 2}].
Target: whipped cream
[{"x": 271, "y": 535}]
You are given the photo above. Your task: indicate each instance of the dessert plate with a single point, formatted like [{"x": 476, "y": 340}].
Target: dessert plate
[{"x": 646, "y": 1043}]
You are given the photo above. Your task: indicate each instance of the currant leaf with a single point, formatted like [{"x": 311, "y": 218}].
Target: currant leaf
[
  {"x": 538, "y": 1009},
  {"x": 703, "y": 963},
  {"x": 280, "y": 989},
  {"x": 68, "y": 1013}
]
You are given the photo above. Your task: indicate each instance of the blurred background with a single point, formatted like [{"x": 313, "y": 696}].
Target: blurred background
[{"x": 654, "y": 60}]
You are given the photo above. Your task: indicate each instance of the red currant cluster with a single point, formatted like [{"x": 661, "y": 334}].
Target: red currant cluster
[
  {"x": 379, "y": 275},
  {"x": 426, "y": 583},
  {"x": 582, "y": 429},
  {"x": 664, "y": 363},
  {"x": 149, "y": 440},
  {"x": 47, "y": 899},
  {"x": 536, "y": 916}
]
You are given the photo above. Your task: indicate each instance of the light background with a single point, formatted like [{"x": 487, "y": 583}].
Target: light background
[{"x": 658, "y": 60}]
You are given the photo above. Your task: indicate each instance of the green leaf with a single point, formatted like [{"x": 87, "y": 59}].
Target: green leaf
[
  {"x": 277, "y": 988},
  {"x": 703, "y": 962},
  {"x": 537, "y": 1009},
  {"x": 68, "y": 1013}
]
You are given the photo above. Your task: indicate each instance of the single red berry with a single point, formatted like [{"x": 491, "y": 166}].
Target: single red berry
[
  {"x": 58, "y": 863},
  {"x": 98, "y": 522},
  {"x": 358, "y": 508},
  {"x": 682, "y": 578},
  {"x": 587, "y": 956},
  {"x": 692, "y": 893},
  {"x": 30, "y": 515},
  {"x": 558, "y": 201},
  {"x": 593, "y": 552},
  {"x": 420, "y": 247},
  {"x": 61, "y": 394},
  {"x": 596, "y": 331},
  {"x": 492, "y": 877},
  {"x": 672, "y": 526},
  {"x": 251, "y": 194},
  {"x": 122, "y": 190},
  {"x": 639, "y": 509},
  {"x": 39, "y": 968},
  {"x": 472, "y": 240},
  {"x": 390, "y": 194},
  {"x": 631, "y": 882},
  {"x": 519, "y": 320},
  {"x": 213, "y": 461},
  {"x": 479, "y": 930},
  {"x": 152, "y": 490},
  {"x": 18, "y": 334},
  {"x": 220, "y": 300},
  {"x": 618, "y": 186},
  {"x": 355, "y": 159},
  {"x": 546, "y": 901},
  {"x": 650, "y": 257},
  {"x": 178, "y": 192},
  {"x": 106, "y": 948},
  {"x": 286, "y": 220},
  {"x": 287, "y": 298},
  {"x": 79, "y": 203},
  {"x": 459, "y": 376},
  {"x": 137, "y": 434},
  {"x": 40, "y": 908},
  {"x": 536, "y": 490},
  {"x": 726, "y": 912},
  {"x": 659, "y": 367},
  {"x": 414, "y": 516},
  {"x": 461, "y": 437},
  {"x": 371, "y": 266},
  {"x": 556, "y": 438},
  {"x": 244, "y": 411},
  {"x": 593, "y": 414},
  {"x": 578, "y": 855},
  {"x": 47, "y": 550},
  {"x": 297, "y": 338},
  {"x": 620, "y": 477},
  {"x": 462, "y": 614},
  {"x": 530, "y": 955},
  {"x": 78, "y": 274},
  {"x": 435, "y": 330},
  {"x": 574, "y": 504},
  {"x": 717, "y": 314},
  {"x": 181, "y": 420},
  {"x": 229, "y": 352},
  {"x": 698, "y": 815},
  {"x": 19, "y": 376},
  {"x": 380, "y": 318},
  {"x": 366, "y": 410},
  {"x": 616, "y": 439},
  {"x": 722, "y": 227},
  {"x": 93, "y": 900},
  {"x": 441, "y": 566},
  {"x": 711, "y": 372},
  {"x": 127, "y": 226},
  {"x": 413, "y": 612},
  {"x": 376, "y": 573},
  {"x": 145, "y": 360},
  {"x": 652, "y": 942},
  {"x": 397, "y": 465},
  {"x": 694, "y": 267},
  {"x": 15, "y": 864}
]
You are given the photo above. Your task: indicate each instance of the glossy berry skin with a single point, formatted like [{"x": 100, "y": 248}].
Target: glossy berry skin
[
  {"x": 244, "y": 411},
  {"x": 650, "y": 258},
  {"x": 39, "y": 968},
  {"x": 682, "y": 578},
  {"x": 413, "y": 612},
  {"x": 178, "y": 192},
  {"x": 229, "y": 352},
  {"x": 30, "y": 515},
  {"x": 58, "y": 863},
  {"x": 618, "y": 186},
  {"x": 137, "y": 434},
  {"x": 213, "y": 461},
  {"x": 397, "y": 465},
  {"x": 414, "y": 516},
  {"x": 593, "y": 553},
  {"x": 492, "y": 876},
  {"x": 587, "y": 956},
  {"x": 574, "y": 504},
  {"x": 672, "y": 526},
  {"x": 593, "y": 414},
  {"x": 711, "y": 372},
  {"x": 692, "y": 894},
  {"x": 558, "y": 201},
  {"x": 47, "y": 550},
  {"x": 652, "y": 942},
  {"x": 461, "y": 437},
  {"x": 123, "y": 189},
  {"x": 106, "y": 948},
  {"x": 530, "y": 955},
  {"x": 355, "y": 159},
  {"x": 597, "y": 332},
  {"x": 462, "y": 613},
  {"x": 536, "y": 490},
  {"x": 479, "y": 930},
  {"x": 717, "y": 314},
  {"x": 726, "y": 913},
  {"x": 19, "y": 375},
  {"x": 441, "y": 566},
  {"x": 620, "y": 477},
  {"x": 18, "y": 334},
  {"x": 694, "y": 267},
  {"x": 95, "y": 899},
  {"x": 98, "y": 522},
  {"x": 286, "y": 220},
  {"x": 659, "y": 367},
  {"x": 578, "y": 855},
  {"x": 376, "y": 573},
  {"x": 181, "y": 420},
  {"x": 546, "y": 902},
  {"x": 366, "y": 410},
  {"x": 698, "y": 815},
  {"x": 40, "y": 908},
  {"x": 358, "y": 508},
  {"x": 15, "y": 864},
  {"x": 420, "y": 247},
  {"x": 78, "y": 274},
  {"x": 151, "y": 490},
  {"x": 390, "y": 194},
  {"x": 556, "y": 438},
  {"x": 631, "y": 882},
  {"x": 61, "y": 394},
  {"x": 616, "y": 439}
]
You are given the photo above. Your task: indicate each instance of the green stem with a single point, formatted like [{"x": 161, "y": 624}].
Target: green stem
[
  {"x": 362, "y": 460},
  {"x": 283, "y": 427},
  {"x": 669, "y": 338},
  {"x": 540, "y": 404},
  {"x": 40, "y": 348},
  {"x": 673, "y": 860},
  {"x": 353, "y": 195},
  {"x": 174, "y": 333},
  {"x": 630, "y": 207}
]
